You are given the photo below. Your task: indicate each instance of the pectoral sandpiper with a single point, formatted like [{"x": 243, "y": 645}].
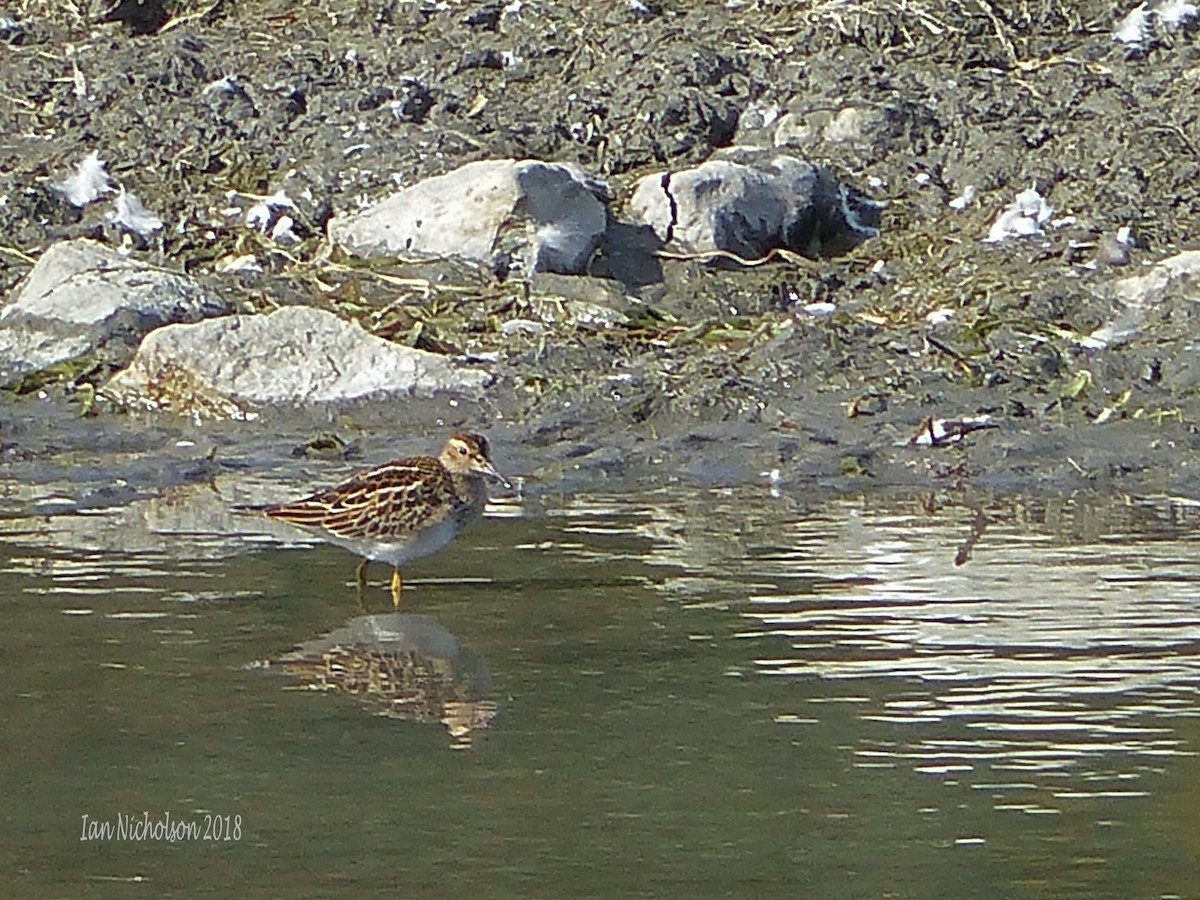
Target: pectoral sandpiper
[{"x": 401, "y": 510}]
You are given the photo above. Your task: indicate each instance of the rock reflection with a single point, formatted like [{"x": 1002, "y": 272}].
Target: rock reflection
[{"x": 401, "y": 666}]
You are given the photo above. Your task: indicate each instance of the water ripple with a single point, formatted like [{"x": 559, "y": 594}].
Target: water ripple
[{"x": 1066, "y": 642}]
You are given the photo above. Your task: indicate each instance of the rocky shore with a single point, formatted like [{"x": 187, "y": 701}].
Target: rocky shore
[{"x": 834, "y": 244}]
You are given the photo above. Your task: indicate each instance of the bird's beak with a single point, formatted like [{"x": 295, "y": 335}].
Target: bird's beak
[{"x": 485, "y": 468}]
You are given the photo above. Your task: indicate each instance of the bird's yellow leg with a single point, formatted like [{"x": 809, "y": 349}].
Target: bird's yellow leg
[
  {"x": 360, "y": 577},
  {"x": 397, "y": 587}
]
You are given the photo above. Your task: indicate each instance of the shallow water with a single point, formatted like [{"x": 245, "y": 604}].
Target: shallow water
[{"x": 681, "y": 693}]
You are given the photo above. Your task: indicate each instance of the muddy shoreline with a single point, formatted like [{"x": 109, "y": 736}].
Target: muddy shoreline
[{"x": 714, "y": 373}]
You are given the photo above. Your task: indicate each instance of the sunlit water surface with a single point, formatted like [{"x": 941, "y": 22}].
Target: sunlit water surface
[{"x": 685, "y": 693}]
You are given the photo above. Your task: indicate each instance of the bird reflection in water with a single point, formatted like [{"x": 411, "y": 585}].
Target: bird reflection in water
[{"x": 402, "y": 666}]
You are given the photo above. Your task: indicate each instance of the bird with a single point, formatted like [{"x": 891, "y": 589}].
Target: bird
[{"x": 399, "y": 511}]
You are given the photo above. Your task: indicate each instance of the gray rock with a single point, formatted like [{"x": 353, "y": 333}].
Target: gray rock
[
  {"x": 858, "y": 126},
  {"x": 83, "y": 298},
  {"x": 853, "y": 133},
  {"x": 506, "y": 214},
  {"x": 1138, "y": 294},
  {"x": 589, "y": 291},
  {"x": 751, "y": 203},
  {"x": 230, "y": 366},
  {"x": 1181, "y": 269}
]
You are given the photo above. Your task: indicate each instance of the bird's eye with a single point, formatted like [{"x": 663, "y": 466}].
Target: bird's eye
[{"x": 462, "y": 451}]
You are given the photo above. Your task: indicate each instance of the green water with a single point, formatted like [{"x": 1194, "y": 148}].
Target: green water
[{"x": 696, "y": 693}]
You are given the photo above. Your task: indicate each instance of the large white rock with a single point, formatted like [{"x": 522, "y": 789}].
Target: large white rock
[
  {"x": 751, "y": 206},
  {"x": 83, "y": 296},
  {"x": 506, "y": 214},
  {"x": 230, "y": 366}
]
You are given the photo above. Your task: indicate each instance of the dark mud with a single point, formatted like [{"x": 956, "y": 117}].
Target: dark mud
[{"x": 710, "y": 373}]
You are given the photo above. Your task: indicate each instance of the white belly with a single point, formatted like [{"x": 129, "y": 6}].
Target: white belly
[{"x": 431, "y": 540}]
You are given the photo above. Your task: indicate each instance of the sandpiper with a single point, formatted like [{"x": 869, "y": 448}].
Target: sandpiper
[{"x": 401, "y": 510}]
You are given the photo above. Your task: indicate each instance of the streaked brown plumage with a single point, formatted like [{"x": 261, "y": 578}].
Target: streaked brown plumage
[{"x": 401, "y": 510}]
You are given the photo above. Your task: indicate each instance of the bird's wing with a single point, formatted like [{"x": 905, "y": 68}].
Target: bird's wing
[{"x": 393, "y": 500}]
